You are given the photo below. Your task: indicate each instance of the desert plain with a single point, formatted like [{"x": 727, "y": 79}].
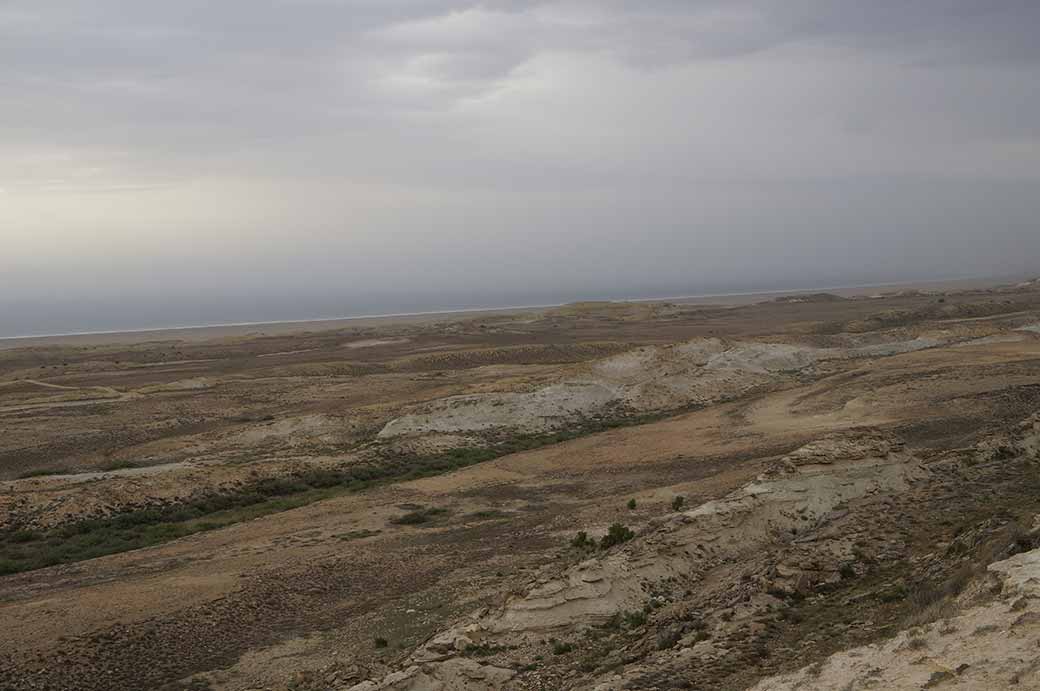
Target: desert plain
[{"x": 813, "y": 491}]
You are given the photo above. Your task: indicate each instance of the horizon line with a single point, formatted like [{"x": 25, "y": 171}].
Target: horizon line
[{"x": 465, "y": 310}]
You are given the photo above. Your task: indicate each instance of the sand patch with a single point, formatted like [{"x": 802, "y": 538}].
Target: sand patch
[{"x": 373, "y": 342}]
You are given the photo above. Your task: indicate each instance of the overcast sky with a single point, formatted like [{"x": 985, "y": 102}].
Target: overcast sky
[{"x": 194, "y": 161}]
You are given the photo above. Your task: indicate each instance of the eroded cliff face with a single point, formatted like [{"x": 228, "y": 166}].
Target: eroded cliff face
[
  {"x": 654, "y": 378},
  {"x": 822, "y": 548},
  {"x": 993, "y": 645},
  {"x": 674, "y": 565}
]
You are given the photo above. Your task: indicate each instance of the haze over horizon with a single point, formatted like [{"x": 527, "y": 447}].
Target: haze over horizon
[{"x": 192, "y": 162}]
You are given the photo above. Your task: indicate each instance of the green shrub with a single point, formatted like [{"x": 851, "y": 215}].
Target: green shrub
[
  {"x": 668, "y": 637},
  {"x": 419, "y": 517},
  {"x": 582, "y": 541},
  {"x": 118, "y": 465},
  {"x": 40, "y": 472},
  {"x": 631, "y": 504},
  {"x": 487, "y": 515},
  {"x": 482, "y": 649},
  {"x": 895, "y": 594},
  {"x": 616, "y": 535},
  {"x": 411, "y": 518},
  {"x": 146, "y": 527},
  {"x": 634, "y": 620},
  {"x": 23, "y": 536},
  {"x": 561, "y": 647},
  {"x": 678, "y": 502},
  {"x": 356, "y": 534}
]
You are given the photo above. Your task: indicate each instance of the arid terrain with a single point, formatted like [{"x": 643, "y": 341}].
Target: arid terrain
[{"x": 808, "y": 492}]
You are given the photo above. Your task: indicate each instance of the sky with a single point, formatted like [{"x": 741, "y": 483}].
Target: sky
[{"x": 167, "y": 163}]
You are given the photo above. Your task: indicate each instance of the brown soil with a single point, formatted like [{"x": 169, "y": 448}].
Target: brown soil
[{"x": 296, "y": 599}]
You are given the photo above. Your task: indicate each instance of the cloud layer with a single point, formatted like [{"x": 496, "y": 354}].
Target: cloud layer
[{"x": 364, "y": 152}]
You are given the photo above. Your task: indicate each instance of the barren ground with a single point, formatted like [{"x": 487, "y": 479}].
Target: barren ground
[{"x": 395, "y": 505}]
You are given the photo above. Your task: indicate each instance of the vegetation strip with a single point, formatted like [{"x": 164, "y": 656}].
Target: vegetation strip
[{"x": 26, "y": 550}]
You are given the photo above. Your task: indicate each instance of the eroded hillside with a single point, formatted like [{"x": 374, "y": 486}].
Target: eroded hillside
[{"x": 595, "y": 497}]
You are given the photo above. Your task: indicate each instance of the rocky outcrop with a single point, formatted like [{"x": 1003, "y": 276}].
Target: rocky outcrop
[
  {"x": 458, "y": 674},
  {"x": 654, "y": 378},
  {"x": 996, "y": 646},
  {"x": 522, "y": 412},
  {"x": 676, "y": 555}
]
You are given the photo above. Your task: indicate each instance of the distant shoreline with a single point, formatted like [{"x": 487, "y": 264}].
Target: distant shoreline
[
  {"x": 317, "y": 320},
  {"x": 281, "y": 327}
]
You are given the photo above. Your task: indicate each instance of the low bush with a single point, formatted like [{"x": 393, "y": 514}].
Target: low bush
[
  {"x": 40, "y": 472},
  {"x": 419, "y": 516},
  {"x": 411, "y": 518},
  {"x": 22, "y": 551},
  {"x": 668, "y": 637},
  {"x": 635, "y": 619},
  {"x": 616, "y": 535},
  {"x": 561, "y": 647},
  {"x": 582, "y": 541},
  {"x": 356, "y": 534},
  {"x": 916, "y": 644},
  {"x": 482, "y": 649},
  {"x": 487, "y": 515},
  {"x": 118, "y": 465}
]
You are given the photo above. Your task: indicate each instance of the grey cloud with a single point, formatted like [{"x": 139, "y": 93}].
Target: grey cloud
[
  {"x": 596, "y": 140},
  {"x": 203, "y": 75}
]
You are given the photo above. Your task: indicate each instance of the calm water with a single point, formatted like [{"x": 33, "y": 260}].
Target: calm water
[{"x": 129, "y": 313}]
